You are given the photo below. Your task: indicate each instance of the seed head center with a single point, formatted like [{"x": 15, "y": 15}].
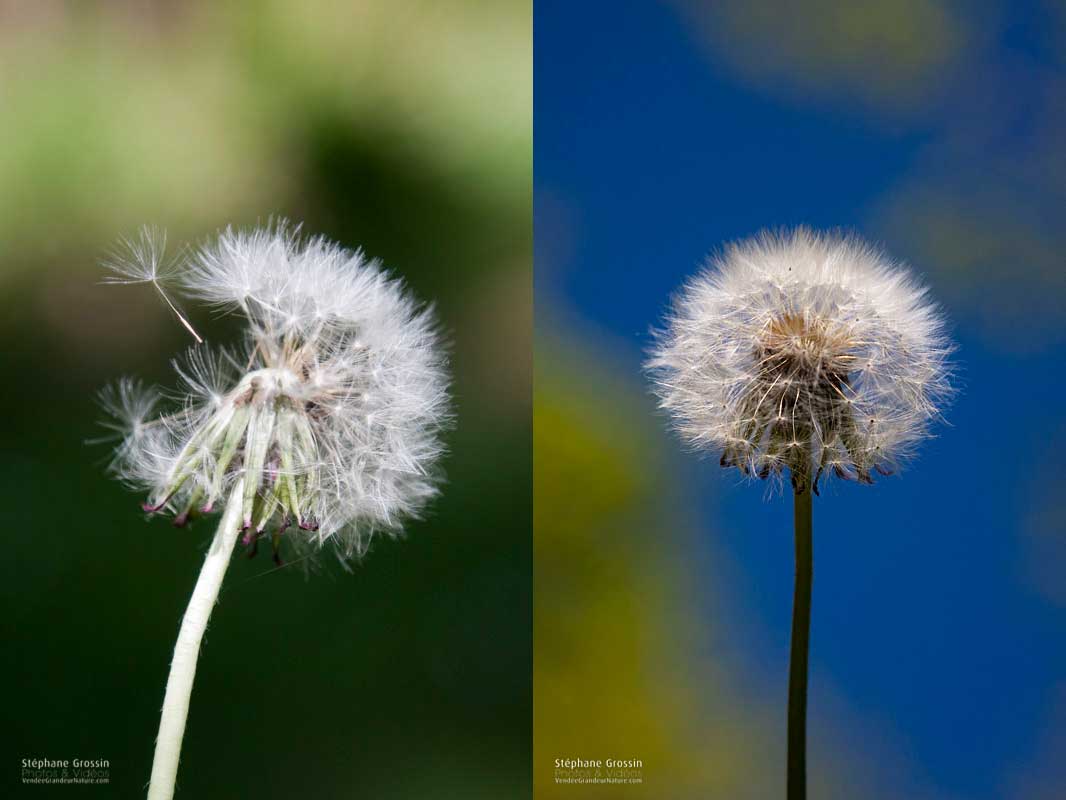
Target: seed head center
[{"x": 799, "y": 349}]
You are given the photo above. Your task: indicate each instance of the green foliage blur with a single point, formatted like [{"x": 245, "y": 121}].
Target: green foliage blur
[{"x": 400, "y": 127}]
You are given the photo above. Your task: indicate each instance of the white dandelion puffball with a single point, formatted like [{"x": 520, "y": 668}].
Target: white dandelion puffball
[
  {"x": 803, "y": 350},
  {"x": 331, "y": 409}
]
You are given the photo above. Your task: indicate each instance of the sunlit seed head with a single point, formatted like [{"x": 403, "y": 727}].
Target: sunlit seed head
[
  {"x": 332, "y": 407},
  {"x": 803, "y": 351}
]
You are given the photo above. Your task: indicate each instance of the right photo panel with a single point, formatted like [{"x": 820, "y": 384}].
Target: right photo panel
[{"x": 798, "y": 388}]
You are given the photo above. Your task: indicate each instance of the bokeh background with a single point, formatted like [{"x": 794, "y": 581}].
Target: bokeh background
[
  {"x": 402, "y": 127},
  {"x": 662, "y": 584}
]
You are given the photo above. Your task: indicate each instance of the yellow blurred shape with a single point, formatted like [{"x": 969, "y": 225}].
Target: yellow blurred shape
[{"x": 618, "y": 632}]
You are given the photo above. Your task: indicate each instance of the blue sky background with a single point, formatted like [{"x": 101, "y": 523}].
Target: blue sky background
[{"x": 662, "y": 130}]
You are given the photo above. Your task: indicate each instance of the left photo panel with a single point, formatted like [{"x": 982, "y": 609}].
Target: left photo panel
[{"x": 267, "y": 281}]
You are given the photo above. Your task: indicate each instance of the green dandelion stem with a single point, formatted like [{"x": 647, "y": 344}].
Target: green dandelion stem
[{"x": 187, "y": 650}]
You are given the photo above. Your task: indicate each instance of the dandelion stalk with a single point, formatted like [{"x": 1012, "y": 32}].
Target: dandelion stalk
[
  {"x": 801, "y": 632},
  {"x": 187, "y": 650}
]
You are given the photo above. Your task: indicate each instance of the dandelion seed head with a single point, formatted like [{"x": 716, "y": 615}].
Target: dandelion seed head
[
  {"x": 799, "y": 350},
  {"x": 331, "y": 408}
]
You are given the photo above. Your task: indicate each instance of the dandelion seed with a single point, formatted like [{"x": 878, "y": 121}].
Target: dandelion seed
[{"x": 143, "y": 260}]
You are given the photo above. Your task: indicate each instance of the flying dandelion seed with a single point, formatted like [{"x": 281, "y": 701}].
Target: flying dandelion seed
[
  {"x": 325, "y": 421},
  {"x": 811, "y": 353}
]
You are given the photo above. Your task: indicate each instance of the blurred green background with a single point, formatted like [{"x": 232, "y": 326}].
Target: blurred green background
[{"x": 401, "y": 127}]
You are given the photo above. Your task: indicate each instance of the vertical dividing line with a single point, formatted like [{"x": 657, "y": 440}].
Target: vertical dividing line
[{"x": 801, "y": 632}]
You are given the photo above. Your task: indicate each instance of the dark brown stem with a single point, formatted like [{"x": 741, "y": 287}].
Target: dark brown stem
[{"x": 801, "y": 630}]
